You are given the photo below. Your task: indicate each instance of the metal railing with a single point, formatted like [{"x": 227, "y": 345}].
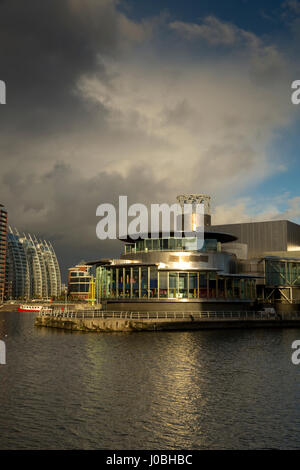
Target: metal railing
[{"x": 189, "y": 316}]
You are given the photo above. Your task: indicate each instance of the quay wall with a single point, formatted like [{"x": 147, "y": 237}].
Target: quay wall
[{"x": 102, "y": 325}]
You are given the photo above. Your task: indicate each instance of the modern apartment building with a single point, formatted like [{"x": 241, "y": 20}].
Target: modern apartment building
[
  {"x": 32, "y": 268},
  {"x": 3, "y": 231}
]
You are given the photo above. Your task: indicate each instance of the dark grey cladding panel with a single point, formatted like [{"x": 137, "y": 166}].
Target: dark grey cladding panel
[
  {"x": 293, "y": 236},
  {"x": 191, "y": 258},
  {"x": 260, "y": 237}
]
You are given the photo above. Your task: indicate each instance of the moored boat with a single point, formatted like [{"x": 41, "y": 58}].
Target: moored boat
[{"x": 33, "y": 308}]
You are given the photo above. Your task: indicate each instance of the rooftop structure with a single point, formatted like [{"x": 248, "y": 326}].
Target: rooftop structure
[
  {"x": 197, "y": 199},
  {"x": 264, "y": 238}
]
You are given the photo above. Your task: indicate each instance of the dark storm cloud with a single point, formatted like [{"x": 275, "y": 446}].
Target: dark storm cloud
[
  {"x": 44, "y": 48},
  {"x": 96, "y": 110},
  {"x": 66, "y": 212}
]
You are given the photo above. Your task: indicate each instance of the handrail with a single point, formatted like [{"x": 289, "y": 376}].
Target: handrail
[{"x": 169, "y": 315}]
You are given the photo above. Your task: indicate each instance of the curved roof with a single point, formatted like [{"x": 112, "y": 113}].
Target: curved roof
[{"x": 208, "y": 235}]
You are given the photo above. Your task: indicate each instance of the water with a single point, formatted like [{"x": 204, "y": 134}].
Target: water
[{"x": 232, "y": 389}]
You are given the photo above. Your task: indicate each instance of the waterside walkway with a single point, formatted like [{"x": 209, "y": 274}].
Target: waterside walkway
[{"x": 107, "y": 321}]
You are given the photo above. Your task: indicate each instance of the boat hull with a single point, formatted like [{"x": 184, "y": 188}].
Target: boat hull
[{"x": 29, "y": 309}]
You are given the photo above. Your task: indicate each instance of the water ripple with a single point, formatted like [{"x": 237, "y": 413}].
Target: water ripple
[{"x": 193, "y": 390}]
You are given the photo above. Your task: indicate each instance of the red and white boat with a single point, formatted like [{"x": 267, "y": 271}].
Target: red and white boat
[{"x": 33, "y": 308}]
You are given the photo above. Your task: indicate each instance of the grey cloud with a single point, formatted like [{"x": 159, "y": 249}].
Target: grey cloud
[
  {"x": 265, "y": 60},
  {"x": 45, "y": 47},
  {"x": 88, "y": 119},
  {"x": 211, "y": 30}
]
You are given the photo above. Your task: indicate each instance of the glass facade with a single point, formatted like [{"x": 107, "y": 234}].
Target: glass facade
[
  {"x": 79, "y": 284},
  {"x": 148, "y": 282},
  {"x": 32, "y": 268},
  {"x": 170, "y": 244},
  {"x": 282, "y": 272}
]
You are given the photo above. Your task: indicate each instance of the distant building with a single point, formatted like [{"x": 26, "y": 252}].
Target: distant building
[
  {"x": 32, "y": 269},
  {"x": 79, "y": 281},
  {"x": 3, "y": 230},
  {"x": 64, "y": 289},
  {"x": 273, "y": 254},
  {"x": 275, "y": 237}
]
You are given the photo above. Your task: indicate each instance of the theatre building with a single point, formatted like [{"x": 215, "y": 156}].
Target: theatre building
[{"x": 176, "y": 273}]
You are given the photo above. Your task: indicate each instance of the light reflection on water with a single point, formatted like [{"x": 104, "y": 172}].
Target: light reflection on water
[{"x": 178, "y": 390}]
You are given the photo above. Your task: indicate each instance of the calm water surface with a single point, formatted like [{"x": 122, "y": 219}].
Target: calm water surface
[{"x": 234, "y": 389}]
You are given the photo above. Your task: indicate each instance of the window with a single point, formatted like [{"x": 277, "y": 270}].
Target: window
[
  {"x": 121, "y": 283},
  {"x": 114, "y": 283},
  {"x": 148, "y": 244},
  {"x": 156, "y": 244},
  {"x": 135, "y": 282},
  {"x": 173, "y": 289},
  {"x": 236, "y": 288},
  {"x": 221, "y": 287},
  {"x": 144, "y": 282},
  {"x": 229, "y": 286},
  {"x": 193, "y": 288},
  {"x": 165, "y": 244},
  {"x": 242, "y": 288},
  {"x": 163, "y": 284},
  {"x": 127, "y": 282},
  {"x": 203, "y": 285},
  {"x": 183, "y": 291},
  {"x": 153, "y": 282},
  {"x": 212, "y": 285}
]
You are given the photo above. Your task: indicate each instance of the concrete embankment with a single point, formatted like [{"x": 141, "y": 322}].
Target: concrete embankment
[
  {"x": 101, "y": 325},
  {"x": 9, "y": 307}
]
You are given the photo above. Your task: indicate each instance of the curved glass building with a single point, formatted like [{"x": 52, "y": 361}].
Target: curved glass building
[{"x": 32, "y": 268}]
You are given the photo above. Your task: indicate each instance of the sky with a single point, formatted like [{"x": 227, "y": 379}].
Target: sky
[{"x": 147, "y": 99}]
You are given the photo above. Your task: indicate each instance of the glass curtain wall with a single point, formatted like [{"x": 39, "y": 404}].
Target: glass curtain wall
[
  {"x": 282, "y": 273},
  {"x": 147, "y": 282},
  {"x": 170, "y": 244}
]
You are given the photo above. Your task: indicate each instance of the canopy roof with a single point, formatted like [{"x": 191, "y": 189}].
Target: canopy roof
[{"x": 208, "y": 235}]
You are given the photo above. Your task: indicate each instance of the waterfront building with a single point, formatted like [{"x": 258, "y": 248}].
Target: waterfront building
[
  {"x": 273, "y": 254},
  {"x": 3, "y": 231},
  {"x": 79, "y": 280},
  {"x": 171, "y": 273},
  {"x": 239, "y": 266},
  {"x": 32, "y": 268},
  {"x": 279, "y": 279},
  {"x": 270, "y": 238},
  {"x": 17, "y": 269}
]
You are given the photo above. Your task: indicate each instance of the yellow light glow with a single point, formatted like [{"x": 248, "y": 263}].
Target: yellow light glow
[
  {"x": 182, "y": 264},
  {"x": 161, "y": 265}
]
